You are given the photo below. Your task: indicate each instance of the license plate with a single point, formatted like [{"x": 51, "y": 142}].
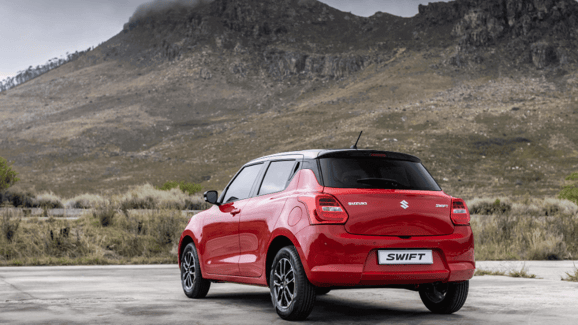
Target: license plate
[{"x": 393, "y": 257}]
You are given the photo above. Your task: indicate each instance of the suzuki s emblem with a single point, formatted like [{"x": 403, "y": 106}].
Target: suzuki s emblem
[{"x": 404, "y": 204}]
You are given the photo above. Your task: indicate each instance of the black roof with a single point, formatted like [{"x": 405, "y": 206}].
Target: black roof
[{"x": 327, "y": 153}]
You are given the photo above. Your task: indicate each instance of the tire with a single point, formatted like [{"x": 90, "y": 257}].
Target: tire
[
  {"x": 320, "y": 291},
  {"x": 192, "y": 280},
  {"x": 292, "y": 294},
  {"x": 444, "y": 298}
]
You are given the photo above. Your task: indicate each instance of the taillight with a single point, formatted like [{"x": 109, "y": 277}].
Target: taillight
[
  {"x": 324, "y": 209},
  {"x": 460, "y": 214}
]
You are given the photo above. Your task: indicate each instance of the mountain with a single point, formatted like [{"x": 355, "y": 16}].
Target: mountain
[{"x": 483, "y": 91}]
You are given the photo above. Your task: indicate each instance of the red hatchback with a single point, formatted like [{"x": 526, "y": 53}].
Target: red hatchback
[{"x": 306, "y": 222}]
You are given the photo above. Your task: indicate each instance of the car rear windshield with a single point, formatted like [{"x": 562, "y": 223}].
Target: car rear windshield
[{"x": 381, "y": 173}]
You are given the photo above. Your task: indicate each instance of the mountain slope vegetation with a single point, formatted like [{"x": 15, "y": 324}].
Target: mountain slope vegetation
[{"x": 483, "y": 91}]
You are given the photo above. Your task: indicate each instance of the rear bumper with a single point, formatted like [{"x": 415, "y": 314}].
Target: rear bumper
[{"x": 333, "y": 257}]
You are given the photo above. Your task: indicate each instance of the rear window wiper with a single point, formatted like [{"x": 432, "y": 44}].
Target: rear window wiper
[{"x": 394, "y": 183}]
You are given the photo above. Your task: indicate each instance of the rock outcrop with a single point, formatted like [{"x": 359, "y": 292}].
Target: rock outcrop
[
  {"x": 534, "y": 30},
  {"x": 307, "y": 38}
]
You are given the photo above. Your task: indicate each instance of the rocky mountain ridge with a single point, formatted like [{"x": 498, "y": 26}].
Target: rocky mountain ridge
[
  {"x": 538, "y": 32},
  {"x": 541, "y": 32},
  {"x": 191, "y": 92}
]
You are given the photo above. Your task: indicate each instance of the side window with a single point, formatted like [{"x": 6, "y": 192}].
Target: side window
[
  {"x": 241, "y": 186},
  {"x": 276, "y": 177}
]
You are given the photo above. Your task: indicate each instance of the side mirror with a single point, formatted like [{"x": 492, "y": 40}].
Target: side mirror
[{"x": 211, "y": 197}]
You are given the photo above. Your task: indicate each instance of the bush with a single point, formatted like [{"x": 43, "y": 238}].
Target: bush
[
  {"x": 48, "y": 201},
  {"x": 168, "y": 226},
  {"x": 489, "y": 206},
  {"x": 20, "y": 199},
  {"x": 86, "y": 201},
  {"x": 570, "y": 189},
  {"x": 149, "y": 197},
  {"x": 27, "y": 199},
  {"x": 569, "y": 193},
  {"x": 7, "y": 175},
  {"x": 525, "y": 237},
  {"x": 189, "y": 188},
  {"x": 10, "y": 223},
  {"x": 104, "y": 215},
  {"x": 572, "y": 276},
  {"x": 482, "y": 272},
  {"x": 523, "y": 273}
]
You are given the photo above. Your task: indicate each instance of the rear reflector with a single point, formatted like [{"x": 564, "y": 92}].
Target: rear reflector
[
  {"x": 331, "y": 209},
  {"x": 460, "y": 214},
  {"x": 324, "y": 209}
]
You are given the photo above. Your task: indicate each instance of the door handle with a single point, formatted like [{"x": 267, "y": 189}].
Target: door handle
[{"x": 235, "y": 212}]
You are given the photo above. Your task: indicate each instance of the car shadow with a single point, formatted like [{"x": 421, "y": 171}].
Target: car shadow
[{"x": 337, "y": 309}]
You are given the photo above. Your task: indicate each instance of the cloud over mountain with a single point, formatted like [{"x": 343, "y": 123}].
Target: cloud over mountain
[{"x": 150, "y": 8}]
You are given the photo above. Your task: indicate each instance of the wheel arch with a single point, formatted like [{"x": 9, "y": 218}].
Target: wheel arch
[
  {"x": 275, "y": 246},
  {"x": 186, "y": 239}
]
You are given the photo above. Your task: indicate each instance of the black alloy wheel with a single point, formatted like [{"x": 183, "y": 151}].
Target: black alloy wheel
[
  {"x": 444, "y": 298},
  {"x": 192, "y": 280},
  {"x": 292, "y": 294}
]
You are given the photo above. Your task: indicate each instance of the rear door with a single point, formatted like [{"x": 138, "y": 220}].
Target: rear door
[
  {"x": 387, "y": 197},
  {"x": 259, "y": 217}
]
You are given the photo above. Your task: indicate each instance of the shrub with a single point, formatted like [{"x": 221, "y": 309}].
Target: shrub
[
  {"x": 190, "y": 188},
  {"x": 482, "y": 272},
  {"x": 48, "y": 201},
  {"x": 104, "y": 215},
  {"x": 525, "y": 237},
  {"x": 523, "y": 273},
  {"x": 569, "y": 193},
  {"x": 27, "y": 199},
  {"x": 572, "y": 177},
  {"x": 168, "y": 226},
  {"x": 86, "y": 201},
  {"x": 488, "y": 206},
  {"x": 570, "y": 189},
  {"x": 60, "y": 242},
  {"x": 17, "y": 198},
  {"x": 10, "y": 223},
  {"x": 149, "y": 197},
  {"x": 7, "y": 175},
  {"x": 572, "y": 277}
]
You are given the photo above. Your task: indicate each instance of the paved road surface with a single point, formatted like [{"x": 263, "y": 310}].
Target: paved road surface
[{"x": 152, "y": 295}]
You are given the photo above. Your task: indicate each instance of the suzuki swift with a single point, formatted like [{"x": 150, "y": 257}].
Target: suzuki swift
[{"x": 304, "y": 223}]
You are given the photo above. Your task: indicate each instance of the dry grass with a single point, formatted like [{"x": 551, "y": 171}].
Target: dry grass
[
  {"x": 482, "y": 272},
  {"x": 129, "y": 238},
  {"x": 10, "y": 223},
  {"x": 137, "y": 197},
  {"x": 522, "y": 273},
  {"x": 487, "y": 206},
  {"x": 573, "y": 277},
  {"x": 532, "y": 230},
  {"x": 86, "y": 201},
  {"x": 114, "y": 233},
  {"x": 49, "y": 200},
  {"x": 510, "y": 237},
  {"x": 523, "y": 206},
  {"x": 148, "y": 197}
]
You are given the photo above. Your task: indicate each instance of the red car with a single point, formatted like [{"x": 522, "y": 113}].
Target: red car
[{"x": 306, "y": 222}]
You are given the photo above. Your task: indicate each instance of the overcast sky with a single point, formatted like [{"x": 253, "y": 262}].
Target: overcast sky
[{"x": 34, "y": 31}]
